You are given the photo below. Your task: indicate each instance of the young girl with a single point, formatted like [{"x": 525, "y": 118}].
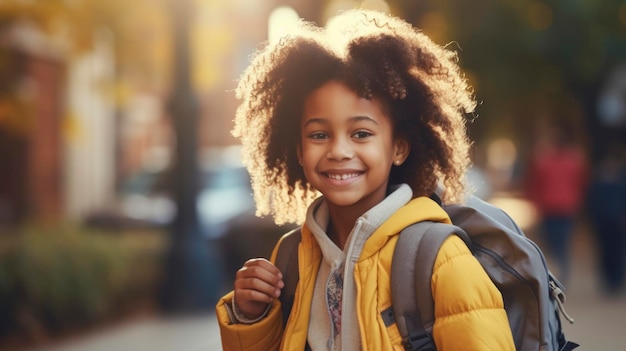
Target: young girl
[{"x": 369, "y": 113}]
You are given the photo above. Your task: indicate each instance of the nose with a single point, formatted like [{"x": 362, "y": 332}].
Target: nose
[{"x": 340, "y": 149}]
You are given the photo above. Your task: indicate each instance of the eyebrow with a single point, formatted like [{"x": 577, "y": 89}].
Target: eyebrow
[{"x": 351, "y": 120}]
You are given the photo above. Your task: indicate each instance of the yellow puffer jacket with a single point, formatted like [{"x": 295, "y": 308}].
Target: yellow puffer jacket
[{"x": 469, "y": 313}]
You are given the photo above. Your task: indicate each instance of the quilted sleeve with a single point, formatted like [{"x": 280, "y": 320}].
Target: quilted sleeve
[
  {"x": 264, "y": 335},
  {"x": 469, "y": 311}
]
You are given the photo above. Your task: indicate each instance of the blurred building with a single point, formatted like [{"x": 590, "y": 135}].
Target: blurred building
[{"x": 32, "y": 106}]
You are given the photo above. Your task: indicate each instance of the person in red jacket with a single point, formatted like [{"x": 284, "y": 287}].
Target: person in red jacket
[{"x": 556, "y": 183}]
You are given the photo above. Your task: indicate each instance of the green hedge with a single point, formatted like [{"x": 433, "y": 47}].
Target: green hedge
[{"x": 64, "y": 276}]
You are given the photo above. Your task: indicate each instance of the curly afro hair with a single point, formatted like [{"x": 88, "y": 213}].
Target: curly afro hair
[{"x": 419, "y": 83}]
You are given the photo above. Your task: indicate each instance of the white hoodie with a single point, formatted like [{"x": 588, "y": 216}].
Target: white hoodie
[{"x": 320, "y": 334}]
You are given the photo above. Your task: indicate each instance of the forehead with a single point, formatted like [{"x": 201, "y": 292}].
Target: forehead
[{"x": 336, "y": 99}]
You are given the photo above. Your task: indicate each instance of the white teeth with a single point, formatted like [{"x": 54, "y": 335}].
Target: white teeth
[{"x": 342, "y": 176}]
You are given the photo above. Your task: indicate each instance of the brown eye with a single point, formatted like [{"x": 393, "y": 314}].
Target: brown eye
[
  {"x": 361, "y": 134},
  {"x": 318, "y": 136}
]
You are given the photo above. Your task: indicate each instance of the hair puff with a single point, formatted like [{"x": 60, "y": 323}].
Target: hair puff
[{"x": 419, "y": 83}]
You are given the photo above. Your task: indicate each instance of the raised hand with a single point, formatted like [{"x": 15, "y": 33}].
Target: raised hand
[{"x": 257, "y": 283}]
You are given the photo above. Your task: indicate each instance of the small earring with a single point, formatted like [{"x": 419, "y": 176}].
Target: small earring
[{"x": 397, "y": 162}]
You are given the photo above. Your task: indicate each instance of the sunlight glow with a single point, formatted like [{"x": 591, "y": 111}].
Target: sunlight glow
[
  {"x": 501, "y": 154},
  {"x": 522, "y": 211},
  {"x": 280, "y": 21},
  {"x": 379, "y": 5}
]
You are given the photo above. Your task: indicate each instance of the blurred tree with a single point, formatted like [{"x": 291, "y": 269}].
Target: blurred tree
[
  {"x": 515, "y": 52},
  {"x": 521, "y": 55},
  {"x": 191, "y": 278},
  {"x": 140, "y": 29}
]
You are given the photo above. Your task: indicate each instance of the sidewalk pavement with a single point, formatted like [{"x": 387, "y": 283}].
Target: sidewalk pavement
[
  {"x": 598, "y": 326},
  {"x": 197, "y": 333},
  {"x": 599, "y": 318}
]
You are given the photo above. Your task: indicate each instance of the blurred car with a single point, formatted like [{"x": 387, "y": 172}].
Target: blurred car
[
  {"x": 143, "y": 202},
  {"x": 225, "y": 195},
  {"x": 225, "y": 205}
]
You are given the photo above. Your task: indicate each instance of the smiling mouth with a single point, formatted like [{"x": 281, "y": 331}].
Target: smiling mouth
[{"x": 344, "y": 176}]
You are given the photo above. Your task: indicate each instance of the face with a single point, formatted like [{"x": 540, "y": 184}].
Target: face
[{"x": 347, "y": 147}]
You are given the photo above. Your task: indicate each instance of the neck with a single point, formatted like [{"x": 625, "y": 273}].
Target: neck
[
  {"x": 340, "y": 225},
  {"x": 343, "y": 218}
]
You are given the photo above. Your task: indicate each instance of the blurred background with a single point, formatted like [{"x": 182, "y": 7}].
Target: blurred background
[{"x": 125, "y": 211}]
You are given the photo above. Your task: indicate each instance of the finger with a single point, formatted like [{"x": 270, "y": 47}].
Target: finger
[
  {"x": 260, "y": 285},
  {"x": 252, "y": 295},
  {"x": 261, "y": 272},
  {"x": 265, "y": 264}
]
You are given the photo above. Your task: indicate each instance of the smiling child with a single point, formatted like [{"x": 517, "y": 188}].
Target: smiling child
[{"x": 348, "y": 129}]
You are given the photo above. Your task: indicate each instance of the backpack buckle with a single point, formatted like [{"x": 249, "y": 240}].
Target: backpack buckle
[
  {"x": 420, "y": 342},
  {"x": 559, "y": 296}
]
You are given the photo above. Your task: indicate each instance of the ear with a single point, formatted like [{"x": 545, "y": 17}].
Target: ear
[
  {"x": 299, "y": 153},
  {"x": 402, "y": 148}
]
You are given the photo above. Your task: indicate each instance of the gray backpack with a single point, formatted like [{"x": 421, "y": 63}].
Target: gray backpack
[{"x": 533, "y": 297}]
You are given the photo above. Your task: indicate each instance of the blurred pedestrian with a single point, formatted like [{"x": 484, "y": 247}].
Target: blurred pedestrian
[
  {"x": 556, "y": 182},
  {"x": 607, "y": 212}
]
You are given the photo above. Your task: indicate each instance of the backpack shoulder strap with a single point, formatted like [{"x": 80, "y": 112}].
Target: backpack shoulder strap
[
  {"x": 287, "y": 263},
  {"x": 411, "y": 271}
]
